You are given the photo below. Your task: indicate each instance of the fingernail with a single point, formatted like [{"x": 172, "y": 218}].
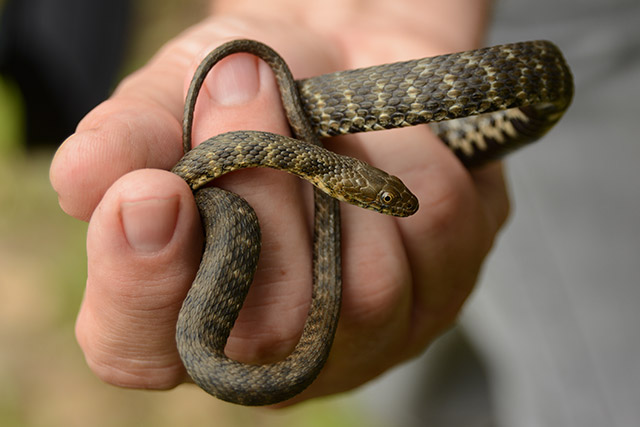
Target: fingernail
[
  {"x": 149, "y": 224},
  {"x": 235, "y": 80}
]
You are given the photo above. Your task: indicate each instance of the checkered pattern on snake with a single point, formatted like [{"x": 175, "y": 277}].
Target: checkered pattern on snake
[{"x": 502, "y": 97}]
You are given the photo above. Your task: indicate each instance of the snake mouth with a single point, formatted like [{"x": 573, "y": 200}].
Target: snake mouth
[
  {"x": 407, "y": 207},
  {"x": 401, "y": 204}
]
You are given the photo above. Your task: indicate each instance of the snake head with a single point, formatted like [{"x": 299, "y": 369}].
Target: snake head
[
  {"x": 372, "y": 188},
  {"x": 394, "y": 198}
]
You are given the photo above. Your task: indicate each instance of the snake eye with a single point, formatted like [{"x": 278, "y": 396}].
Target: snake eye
[{"x": 386, "y": 197}]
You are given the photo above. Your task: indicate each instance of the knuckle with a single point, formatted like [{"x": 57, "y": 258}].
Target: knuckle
[
  {"x": 118, "y": 360},
  {"x": 378, "y": 295},
  {"x": 448, "y": 198}
]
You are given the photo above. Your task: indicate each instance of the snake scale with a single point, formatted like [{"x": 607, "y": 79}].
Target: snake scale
[{"x": 501, "y": 97}]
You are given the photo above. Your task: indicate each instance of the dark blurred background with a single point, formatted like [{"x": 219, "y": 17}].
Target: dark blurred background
[{"x": 64, "y": 56}]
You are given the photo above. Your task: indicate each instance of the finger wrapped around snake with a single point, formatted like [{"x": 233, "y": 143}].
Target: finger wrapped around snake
[{"x": 482, "y": 104}]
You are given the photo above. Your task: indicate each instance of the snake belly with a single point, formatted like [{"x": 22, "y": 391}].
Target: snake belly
[{"x": 501, "y": 97}]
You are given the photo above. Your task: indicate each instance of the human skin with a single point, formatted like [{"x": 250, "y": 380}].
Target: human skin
[{"x": 404, "y": 279}]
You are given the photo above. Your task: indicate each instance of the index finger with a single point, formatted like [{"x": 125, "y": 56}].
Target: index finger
[{"x": 138, "y": 127}]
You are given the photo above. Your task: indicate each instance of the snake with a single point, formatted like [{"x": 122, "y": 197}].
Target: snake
[{"x": 482, "y": 104}]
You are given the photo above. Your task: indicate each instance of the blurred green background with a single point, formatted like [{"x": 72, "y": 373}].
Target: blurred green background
[{"x": 44, "y": 380}]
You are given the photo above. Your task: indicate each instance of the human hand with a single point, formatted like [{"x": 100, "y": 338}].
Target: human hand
[{"x": 404, "y": 280}]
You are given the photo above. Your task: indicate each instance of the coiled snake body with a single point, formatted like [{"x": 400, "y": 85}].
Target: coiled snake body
[{"x": 503, "y": 97}]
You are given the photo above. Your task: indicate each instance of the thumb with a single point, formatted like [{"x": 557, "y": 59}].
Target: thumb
[
  {"x": 241, "y": 93},
  {"x": 143, "y": 247}
]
